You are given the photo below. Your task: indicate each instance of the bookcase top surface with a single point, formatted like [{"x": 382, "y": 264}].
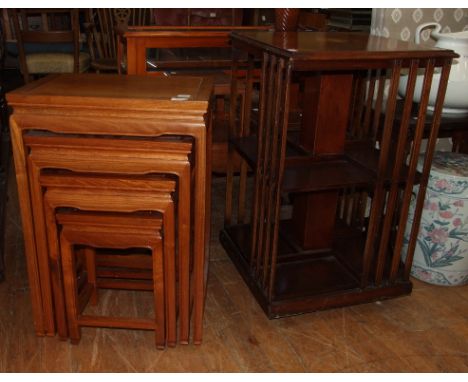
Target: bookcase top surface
[{"x": 332, "y": 46}]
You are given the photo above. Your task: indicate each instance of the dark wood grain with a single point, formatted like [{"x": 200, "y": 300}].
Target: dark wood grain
[
  {"x": 320, "y": 47},
  {"x": 346, "y": 166}
]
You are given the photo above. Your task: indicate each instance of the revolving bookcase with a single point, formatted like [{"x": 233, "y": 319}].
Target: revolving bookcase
[{"x": 329, "y": 154}]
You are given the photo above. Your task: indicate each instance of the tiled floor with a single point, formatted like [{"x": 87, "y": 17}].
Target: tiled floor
[{"x": 427, "y": 331}]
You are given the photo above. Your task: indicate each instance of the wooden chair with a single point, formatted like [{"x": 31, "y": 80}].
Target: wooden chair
[
  {"x": 110, "y": 194},
  {"x": 102, "y": 30},
  {"x": 59, "y": 26},
  {"x": 110, "y": 231},
  {"x": 132, "y": 16},
  {"x": 98, "y": 155}
]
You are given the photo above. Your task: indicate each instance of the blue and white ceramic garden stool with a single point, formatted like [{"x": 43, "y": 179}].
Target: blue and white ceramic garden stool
[{"x": 441, "y": 253}]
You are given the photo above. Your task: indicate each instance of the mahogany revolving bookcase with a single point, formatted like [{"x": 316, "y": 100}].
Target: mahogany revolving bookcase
[{"x": 320, "y": 220}]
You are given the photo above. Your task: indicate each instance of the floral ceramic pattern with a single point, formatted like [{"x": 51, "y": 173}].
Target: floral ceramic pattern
[
  {"x": 442, "y": 251},
  {"x": 429, "y": 275},
  {"x": 454, "y": 164},
  {"x": 449, "y": 173},
  {"x": 447, "y": 186}
]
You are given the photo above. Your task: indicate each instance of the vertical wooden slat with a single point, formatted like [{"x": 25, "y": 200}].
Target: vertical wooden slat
[
  {"x": 379, "y": 191},
  {"x": 369, "y": 101},
  {"x": 105, "y": 19},
  {"x": 414, "y": 158},
  {"x": 426, "y": 169},
  {"x": 378, "y": 103},
  {"x": 398, "y": 163},
  {"x": 111, "y": 34},
  {"x": 261, "y": 163},
  {"x": 245, "y": 131},
  {"x": 274, "y": 187},
  {"x": 232, "y": 134},
  {"x": 75, "y": 27},
  {"x": 102, "y": 49},
  {"x": 280, "y": 173},
  {"x": 15, "y": 15},
  {"x": 261, "y": 127},
  {"x": 242, "y": 192},
  {"x": 265, "y": 163}
]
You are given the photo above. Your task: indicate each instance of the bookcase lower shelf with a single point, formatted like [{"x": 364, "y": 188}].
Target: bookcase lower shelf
[{"x": 308, "y": 281}]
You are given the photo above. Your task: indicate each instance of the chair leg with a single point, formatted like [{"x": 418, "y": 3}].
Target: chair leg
[{"x": 71, "y": 289}]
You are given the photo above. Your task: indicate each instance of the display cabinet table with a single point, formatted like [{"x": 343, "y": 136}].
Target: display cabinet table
[
  {"x": 329, "y": 200},
  {"x": 183, "y": 50}
]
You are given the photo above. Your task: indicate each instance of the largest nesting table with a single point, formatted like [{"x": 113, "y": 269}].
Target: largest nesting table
[{"x": 113, "y": 106}]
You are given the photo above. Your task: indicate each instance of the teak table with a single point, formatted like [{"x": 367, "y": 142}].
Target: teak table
[
  {"x": 329, "y": 200},
  {"x": 136, "y": 107}
]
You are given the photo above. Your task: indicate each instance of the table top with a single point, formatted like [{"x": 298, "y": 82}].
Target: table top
[
  {"x": 116, "y": 92},
  {"x": 332, "y": 46},
  {"x": 186, "y": 31}
]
